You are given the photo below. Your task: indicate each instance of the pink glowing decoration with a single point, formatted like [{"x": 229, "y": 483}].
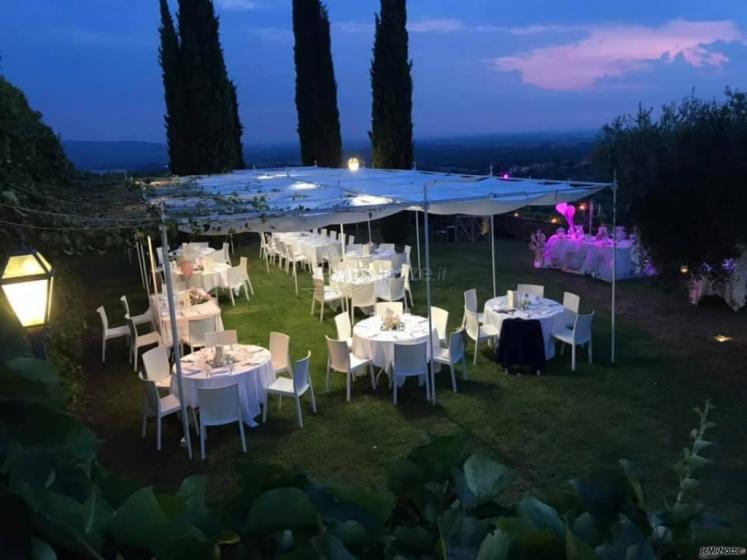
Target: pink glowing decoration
[
  {"x": 567, "y": 211},
  {"x": 505, "y": 175}
]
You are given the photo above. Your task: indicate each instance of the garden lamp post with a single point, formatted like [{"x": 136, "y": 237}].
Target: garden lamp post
[{"x": 27, "y": 280}]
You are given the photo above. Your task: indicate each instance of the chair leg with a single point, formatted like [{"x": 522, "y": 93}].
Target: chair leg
[
  {"x": 158, "y": 434},
  {"x": 573, "y": 357},
  {"x": 194, "y": 420},
  {"x": 264, "y": 410},
  {"x": 251, "y": 288},
  {"x": 103, "y": 350},
  {"x": 327, "y": 388},
  {"x": 465, "y": 373},
  {"x": 203, "y": 437},
  {"x": 145, "y": 421},
  {"x": 453, "y": 378},
  {"x": 474, "y": 363},
  {"x": 589, "y": 350},
  {"x": 321, "y": 311},
  {"x": 241, "y": 432},
  {"x": 230, "y": 292},
  {"x": 313, "y": 398},
  {"x": 394, "y": 390},
  {"x": 373, "y": 377},
  {"x": 313, "y": 304},
  {"x": 349, "y": 381},
  {"x": 298, "y": 412}
]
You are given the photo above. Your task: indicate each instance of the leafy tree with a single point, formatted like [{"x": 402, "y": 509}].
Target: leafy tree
[
  {"x": 203, "y": 126},
  {"x": 391, "y": 88},
  {"x": 682, "y": 179},
  {"x": 316, "y": 88},
  {"x": 168, "y": 56}
]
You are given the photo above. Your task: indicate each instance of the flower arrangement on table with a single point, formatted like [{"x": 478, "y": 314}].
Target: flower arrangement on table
[
  {"x": 391, "y": 322},
  {"x": 537, "y": 244},
  {"x": 197, "y": 296}
]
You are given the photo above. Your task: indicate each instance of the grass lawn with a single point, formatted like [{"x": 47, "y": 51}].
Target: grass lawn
[{"x": 547, "y": 429}]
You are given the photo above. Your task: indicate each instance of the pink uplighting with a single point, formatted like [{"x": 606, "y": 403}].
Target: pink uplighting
[{"x": 505, "y": 175}]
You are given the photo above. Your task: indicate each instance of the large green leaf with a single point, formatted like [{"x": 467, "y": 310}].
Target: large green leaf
[
  {"x": 188, "y": 548},
  {"x": 404, "y": 475},
  {"x": 485, "y": 478},
  {"x": 604, "y": 495},
  {"x": 414, "y": 538},
  {"x": 281, "y": 508},
  {"x": 41, "y": 550},
  {"x": 495, "y": 546},
  {"x": 39, "y": 371},
  {"x": 576, "y": 549},
  {"x": 461, "y": 535},
  {"x": 331, "y": 547},
  {"x": 439, "y": 456},
  {"x": 541, "y": 515}
]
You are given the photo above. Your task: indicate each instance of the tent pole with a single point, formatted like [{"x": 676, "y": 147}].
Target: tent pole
[
  {"x": 428, "y": 276},
  {"x": 370, "y": 238},
  {"x": 155, "y": 284},
  {"x": 174, "y": 332},
  {"x": 417, "y": 240},
  {"x": 614, "y": 263},
  {"x": 492, "y": 248}
]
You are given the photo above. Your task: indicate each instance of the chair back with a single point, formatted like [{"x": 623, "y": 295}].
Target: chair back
[
  {"x": 301, "y": 379},
  {"x": 198, "y": 329},
  {"x": 333, "y": 235},
  {"x": 440, "y": 319},
  {"x": 382, "y": 307},
  {"x": 104, "y": 320},
  {"x": 334, "y": 259},
  {"x": 152, "y": 398},
  {"x": 344, "y": 328},
  {"x": 159, "y": 255},
  {"x": 318, "y": 287},
  {"x": 396, "y": 288},
  {"x": 125, "y": 304},
  {"x": 318, "y": 272},
  {"x": 218, "y": 405},
  {"x": 244, "y": 264},
  {"x": 408, "y": 250},
  {"x": 236, "y": 276},
  {"x": 470, "y": 300},
  {"x": 339, "y": 355},
  {"x": 208, "y": 262},
  {"x": 471, "y": 323},
  {"x": 351, "y": 240},
  {"x": 280, "y": 350},
  {"x": 132, "y": 327},
  {"x": 364, "y": 295},
  {"x": 531, "y": 289},
  {"x": 324, "y": 232},
  {"x": 156, "y": 363},
  {"x": 405, "y": 272},
  {"x": 571, "y": 302},
  {"x": 410, "y": 359},
  {"x": 366, "y": 250},
  {"x": 382, "y": 266},
  {"x": 456, "y": 345},
  {"x": 582, "y": 328},
  {"x": 226, "y": 252},
  {"x": 386, "y": 246},
  {"x": 221, "y": 338}
]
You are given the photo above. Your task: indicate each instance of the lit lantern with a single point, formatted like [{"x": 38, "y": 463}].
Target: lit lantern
[
  {"x": 516, "y": 214},
  {"x": 722, "y": 338},
  {"x": 684, "y": 269},
  {"x": 582, "y": 207},
  {"x": 553, "y": 220},
  {"x": 27, "y": 281},
  {"x": 354, "y": 164}
]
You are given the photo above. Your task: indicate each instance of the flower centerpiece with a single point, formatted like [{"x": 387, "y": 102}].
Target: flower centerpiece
[
  {"x": 391, "y": 322},
  {"x": 198, "y": 296},
  {"x": 537, "y": 244}
]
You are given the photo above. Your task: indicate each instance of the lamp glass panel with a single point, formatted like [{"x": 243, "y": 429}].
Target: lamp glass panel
[
  {"x": 29, "y": 301},
  {"x": 22, "y": 265}
]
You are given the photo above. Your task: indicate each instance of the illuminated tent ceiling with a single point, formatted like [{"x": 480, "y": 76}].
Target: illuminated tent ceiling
[{"x": 301, "y": 198}]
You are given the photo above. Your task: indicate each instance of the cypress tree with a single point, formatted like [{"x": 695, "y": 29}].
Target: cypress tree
[
  {"x": 391, "y": 88},
  {"x": 209, "y": 130},
  {"x": 168, "y": 56},
  {"x": 316, "y": 87}
]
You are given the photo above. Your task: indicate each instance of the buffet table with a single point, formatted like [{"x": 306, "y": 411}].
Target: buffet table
[{"x": 590, "y": 256}]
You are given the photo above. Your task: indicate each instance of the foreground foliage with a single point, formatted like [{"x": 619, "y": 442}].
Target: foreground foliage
[{"x": 440, "y": 501}]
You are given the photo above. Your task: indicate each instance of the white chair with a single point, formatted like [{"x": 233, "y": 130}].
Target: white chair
[
  {"x": 366, "y": 250},
  {"x": 324, "y": 295},
  {"x": 142, "y": 319},
  {"x": 156, "y": 406},
  {"x": 406, "y": 258},
  {"x": 531, "y": 289},
  {"x": 440, "y": 319},
  {"x": 382, "y": 307},
  {"x": 394, "y": 290},
  {"x": 452, "y": 355},
  {"x": 218, "y": 407},
  {"x": 344, "y": 329},
  {"x": 157, "y": 366},
  {"x": 382, "y": 267},
  {"x": 386, "y": 247},
  {"x": 109, "y": 333},
  {"x": 244, "y": 264},
  {"x": 333, "y": 235},
  {"x": 409, "y": 361},
  {"x": 478, "y": 332},
  {"x": 362, "y": 297},
  {"x": 280, "y": 352},
  {"x": 138, "y": 341},
  {"x": 292, "y": 258},
  {"x": 470, "y": 304},
  {"x": 226, "y": 253},
  {"x": 236, "y": 281},
  {"x": 296, "y": 387},
  {"x": 197, "y": 331},
  {"x": 406, "y": 273},
  {"x": 221, "y": 338},
  {"x": 323, "y": 232},
  {"x": 571, "y": 302},
  {"x": 208, "y": 262},
  {"x": 332, "y": 258},
  {"x": 578, "y": 335},
  {"x": 351, "y": 240},
  {"x": 342, "y": 360}
]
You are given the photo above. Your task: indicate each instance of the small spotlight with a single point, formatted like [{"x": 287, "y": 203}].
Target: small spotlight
[
  {"x": 684, "y": 269},
  {"x": 582, "y": 207},
  {"x": 722, "y": 338},
  {"x": 553, "y": 220},
  {"x": 516, "y": 214},
  {"x": 354, "y": 164}
]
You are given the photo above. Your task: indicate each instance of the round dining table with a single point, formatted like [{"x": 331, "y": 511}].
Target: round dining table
[
  {"x": 551, "y": 315},
  {"x": 345, "y": 280},
  {"x": 185, "y": 314},
  {"x": 247, "y": 366},
  {"x": 371, "y": 342}
]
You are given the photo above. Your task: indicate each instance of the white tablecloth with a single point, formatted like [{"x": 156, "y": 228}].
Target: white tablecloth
[
  {"x": 252, "y": 372},
  {"x": 199, "y": 254},
  {"x": 369, "y": 341},
  {"x": 208, "y": 280},
  {"x": 588, "y": 256},
  {"x": 345, "y": 281},
  {"x": 551, "y": 315},
  {"x": 313, "y": 247},
  {"x": 185, "y": 315},
  {"x": 377, "y": 255}
]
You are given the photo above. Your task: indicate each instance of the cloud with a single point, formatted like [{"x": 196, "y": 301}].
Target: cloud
[
  {"x": 428, "y": 25},
  {"x": 615, "y": 50},
  {"x": 353, "y": 26},
  {"x": 237, "y": 5},
  {"x": 271, "y": 34}
]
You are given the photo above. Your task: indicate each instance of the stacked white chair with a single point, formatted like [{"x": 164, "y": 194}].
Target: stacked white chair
[
  {"x": 156, "y": 406},
  {"x": 157, "y": 366},
  {"x": 138, "y": 341},
  {"x": 410, "y": 360},
  {"x": 351, "y": 240},
  {"x": 218, "y": 407},
  {"x": 342, "y": 360},
  {"x": 531, "y": 289},
  {"x": 440, "y": 319},
  {"x": 108, "y": 333},
  {"x": 295, "y": 387},
  {"x": 578, "y": 335},
  {"x": 324, "y": 295},
  {"x": 479, "y": 333}
]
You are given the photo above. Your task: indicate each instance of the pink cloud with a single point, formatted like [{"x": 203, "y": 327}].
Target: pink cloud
[{"x": 616, "y": 50}]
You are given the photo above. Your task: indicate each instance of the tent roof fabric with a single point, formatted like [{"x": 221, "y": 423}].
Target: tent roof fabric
[{"x": 300, "y": 198}]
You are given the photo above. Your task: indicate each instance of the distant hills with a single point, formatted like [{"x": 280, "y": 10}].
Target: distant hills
[{"x": 549, "y": 153}]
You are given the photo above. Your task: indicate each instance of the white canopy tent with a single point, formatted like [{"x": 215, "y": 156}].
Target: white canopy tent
[{"x": 303, "y": 198}]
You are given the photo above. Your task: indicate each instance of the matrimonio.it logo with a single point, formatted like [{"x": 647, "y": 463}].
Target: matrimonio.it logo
[{"x": 720, "y": 551}]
